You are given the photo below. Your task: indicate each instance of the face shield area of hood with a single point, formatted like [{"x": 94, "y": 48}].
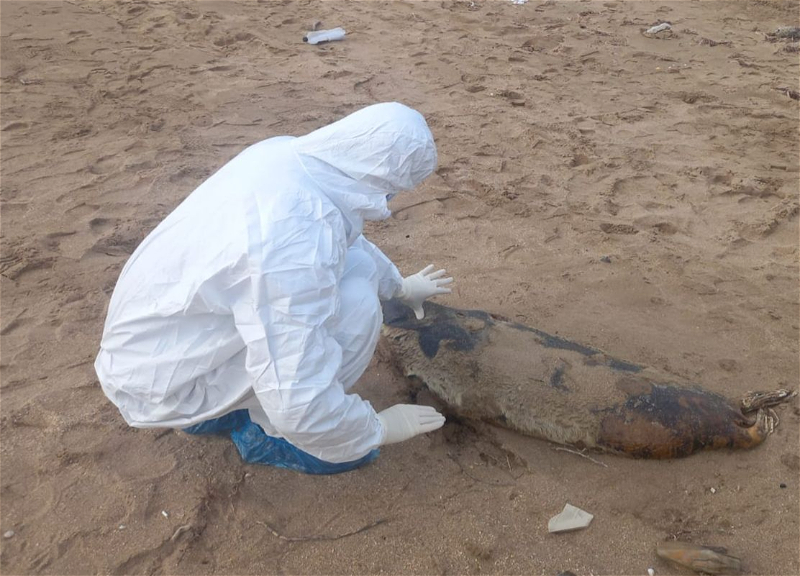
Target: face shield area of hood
[{"x": 374, "y": 152}]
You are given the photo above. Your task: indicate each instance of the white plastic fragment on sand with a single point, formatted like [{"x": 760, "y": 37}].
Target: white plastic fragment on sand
[
  {"x": 570, "y": 518},
  {"x": 8, "y": 534},
  {"x": 651, "y": 572},
  {"x": 164, "y": 514},
  {"x": 324, "y": 36},
  {"x": 519, "y": 2},
  {"x": 659, "y": 28},
  {"x": 790, "y": 32}
]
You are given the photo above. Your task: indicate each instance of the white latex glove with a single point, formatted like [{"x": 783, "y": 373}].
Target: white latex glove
[
  {"x": 403, "y": 421},
  {"x": 421, "y": 286}
]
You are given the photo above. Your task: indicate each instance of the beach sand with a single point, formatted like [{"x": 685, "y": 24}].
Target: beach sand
[{"x": 638, "y": 194}]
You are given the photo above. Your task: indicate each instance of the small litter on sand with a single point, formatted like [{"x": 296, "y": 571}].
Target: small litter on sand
[
  {"x": 570, "y": 518},
  {"x": 320, "y": 36},
  {"x": 787, "y": 33},
  {"x": 654, "y": 30},
  {"x": 703, "y": 559}
]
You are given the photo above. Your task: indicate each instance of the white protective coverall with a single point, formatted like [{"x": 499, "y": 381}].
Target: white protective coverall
[{"x": 260, "y": 292}]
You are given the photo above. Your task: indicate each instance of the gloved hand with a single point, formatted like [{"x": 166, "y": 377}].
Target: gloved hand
[
  {"x": 421, "y": 286},
  {"x": 403, "y": 421}
]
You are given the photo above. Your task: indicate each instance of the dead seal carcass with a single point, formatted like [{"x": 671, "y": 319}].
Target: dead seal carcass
[{"x": 488, "y": 368}]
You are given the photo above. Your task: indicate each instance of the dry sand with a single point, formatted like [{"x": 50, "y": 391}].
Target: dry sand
[{"x": 637, "y": 194}]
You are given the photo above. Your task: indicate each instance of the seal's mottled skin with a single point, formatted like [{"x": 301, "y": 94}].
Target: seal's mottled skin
[{"x": 487, "y": 368}]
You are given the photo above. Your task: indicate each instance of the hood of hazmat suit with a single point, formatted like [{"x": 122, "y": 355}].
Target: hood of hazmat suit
[
  {"x": 234, "y": 297},
  {"x": 373, "y": 153}
]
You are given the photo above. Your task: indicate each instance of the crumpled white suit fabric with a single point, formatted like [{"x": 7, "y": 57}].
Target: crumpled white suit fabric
[{"x": 234, "y": 300}]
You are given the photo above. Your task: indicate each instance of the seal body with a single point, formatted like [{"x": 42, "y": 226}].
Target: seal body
[{"x": 485, "y": 367}]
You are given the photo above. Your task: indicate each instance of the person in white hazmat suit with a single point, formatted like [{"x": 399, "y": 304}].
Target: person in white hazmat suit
[{"x": 254, "y": 306}]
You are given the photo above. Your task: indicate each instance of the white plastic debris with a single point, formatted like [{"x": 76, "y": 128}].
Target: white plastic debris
[
  {"x": 790, "y": 32},
  {"x": 659, "y": 28},
  {"x": 651, "y": 572},
  {"x": 324, "y": 36},
  {"x": 519, "y": 2},
  {"x": 8, "y": 534},
  {"x": 570, "y": 518},
  {"x": 164, "y": 514},
  {"x": 121, "y": 527},
  {"x": 713, "y": 490}
]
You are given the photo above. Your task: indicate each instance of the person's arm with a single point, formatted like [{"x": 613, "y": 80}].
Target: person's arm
[
  {"x": 412, "y": 290},
  {"x": 389, "y": 278}
]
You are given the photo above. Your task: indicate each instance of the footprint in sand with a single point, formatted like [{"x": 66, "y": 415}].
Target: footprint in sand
[
  {"x": 52, "y": 242},
  {"x": 101, "y": 226},
  {"x": 12, "y": 126},
  {"x": 31, "y": 499},
  {"x": 74, "y": 243},
  {"x": 473, "y": 82},
  {"x": 693, "y": 97},
  {"x": 116, "y": 237},
  {"x": 610, "y": 228},
  {"x": 232, "y": 39},
  {"x": 115, "y": 244},
  {"x": 71, "y": 498},
  {"x": 542, "y": 43},
  {"x": 13, "y": 209},
  {"x": 18, "y": 260},
  {"x": 105, "y": 165},
  {"x": 76, "y": 35},
  {"x": 336, "y": 74},
  {"x": 515, "y": 98}
]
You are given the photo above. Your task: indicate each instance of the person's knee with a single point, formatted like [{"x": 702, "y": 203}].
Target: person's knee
[
  {"x": 359, "y": 299},
  {"x": 359, "y": 264},
  {"x": 360, "y": 316},
  {"x": 359, "y": 328}
]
